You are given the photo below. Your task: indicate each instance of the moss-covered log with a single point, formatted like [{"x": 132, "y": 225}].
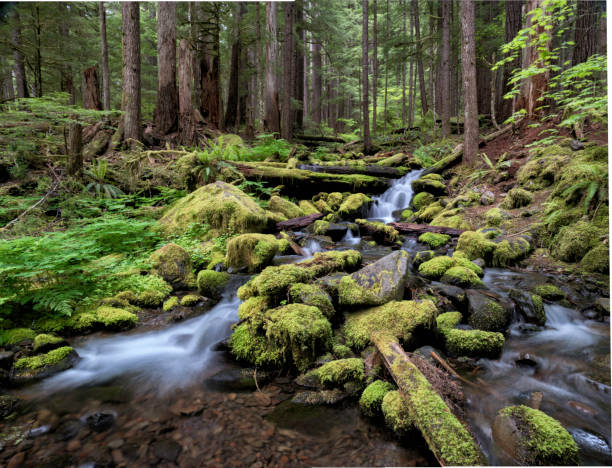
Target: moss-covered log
[
  {"x": 309, "y": 183},
  {"x": 448, "y": 439},
  {"x": 298, "y": 223},
  {"x": 411, "y": 228},
  {"x": 374, "y": 171}
]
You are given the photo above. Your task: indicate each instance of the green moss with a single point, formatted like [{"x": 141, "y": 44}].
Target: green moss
[
  {"x": 322, "y": 206},
  {"x": 462, "y": 277},
  {"x": 543, "y": 440},
  {"x": 337, "y": 373},
  {"x": 42, "y": 360},
  {"x": 308, "y": 208},
  {"x": 597, "y": 260},
  {"x": 421, "y": 200},
  {"x": 392, "y": 161},
  {"x": 508, "y": 252},
  {"x": 254, "y": 309},
  {"x": 475, "y": 245},
  {"x": 491, "y": 316},
  {"x": 210, "y": 283},
  {"x": 490, "y": 232},
  {"x": 372, "y": 397},
  {"x": 538, "y": 306},
  {"x": 334, "y": 200},
  {"x": 429, "y": 213},
  {"x": 313, "y": 295},
  {"x": 173, "y": 264},
  {"x": 435, "y": 267},
  {"x": 516, "y": 198},
  {"x": 426, "y": 184},
  {"x": 448, "y": 320},
  {"x": 320, "y": 227},
  {"x": 247, "y": 290},
  {"x": 494, "y": 217},
  {"x": 220, "y": 205},
  {"x": 170, "y": 304},
  {"x": 16, "y": 335},
  {"x": 379, "y": 231},
  {"x": 353, "y": 205},
  {"x": 434, "y": 240},
  {"x": 253, "y": 251},
  {"x": 423, "y": 256},
  {"x": 460, "y": 259},
  {"x": 341, "y": 351},
  {"x": 395, "y": 411},
  {"x": 451, "y": 219},
  {"x": 573, "y": 242},
  {"x": 114, "y": 319},
  {"x": 473, "y": 343},
  {"x": 398, "y": 318},
  {"x": 407, "y": 215},
  {"x": 45, "y": 341},
  {"x": 281, "y": 205},
  {"x": 274, "y": 281},
  {"x": 549, "y": 291},
  {"x": 145, "y": 291},
  {"x": 254, "y": 348},
  {"x": 190, "y": 300}
]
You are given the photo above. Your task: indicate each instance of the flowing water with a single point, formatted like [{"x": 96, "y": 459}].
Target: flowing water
[{"x": 397, "y": 197}]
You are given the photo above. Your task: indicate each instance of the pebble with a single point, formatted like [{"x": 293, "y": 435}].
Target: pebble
[{"x": 115, "y": 443}]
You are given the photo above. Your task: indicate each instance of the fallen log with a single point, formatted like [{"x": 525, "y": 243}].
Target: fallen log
[
  {"x": 325, "y": 139},
  {"x": 374, "y": 171},
  {"x": 410, "y": 228},
  {"x": 447, "y": 438},
  {"x": 298, "y": 223},
  {"x": 305, "y": 184}
]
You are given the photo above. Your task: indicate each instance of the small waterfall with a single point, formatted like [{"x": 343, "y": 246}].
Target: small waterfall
[
  {"x": 311, "y": 247},
  {"x": 350, "y": 238},
  {"x": 397, "y": 197}
]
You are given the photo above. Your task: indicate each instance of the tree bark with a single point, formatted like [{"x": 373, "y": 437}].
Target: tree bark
[
  {"x": 410, "y": 228},
  {"x": 513, "y": 26},
  {"x": 186, "y": 124},
  {"x": 210, "y": 67},
  {"x": 19, "y": 59},
  {"x": 588, "y": 16},
  {"x": 386, "y": 66},
  {"x": 317, "y": 82},
  {"x": 410, "y": 80},
  {"x": 166, "y": 115},
  {"x": 445, "y": 68},
  {"x": 75, "y": 148},
  {"x": 288, "y": 73},
  {"x": 468, "y": 66},
  {"x": 66, "y": 82},
  {"x": 272, "y": 113},
  {"x": 38, "y": 84},
  {"x": 130, "y": 101},
  {"x": 104, "y": 58},
  {"x": 6, "y": 81},
  {"x": 298, "y": 91},
  {"x": 419, "y": 55},
  {"x": 231, "y": 112},
  {"x": 402, "y": 6},
  {"x": 374, "y": 65},
  {"x": 91, "y": 96},
  {"x": 364, "y": 73}
]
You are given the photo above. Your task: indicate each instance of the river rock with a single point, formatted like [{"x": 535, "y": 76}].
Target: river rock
[
  {"x": 377, "y": 283},
  {"x": 529, "y": 305},
  {"x": 487, "y": 198},
  {"x": 238, "y": 379},
  {"x": 336, "y": 231},
  {"x": 101, "y": 421},
  {"x": 8, "y": 404},
  {"x": 576, "y": 145},
  {"x": 166, "y": 449},
  {"x": 39, "y": 367},
  {"x": 6, "y": 359},
  {"x": 488, "y": 311},
  {"x": 173, "y": 264},
  {"x": 455, "y": 294},
  {"x": 330, "y": 284}
]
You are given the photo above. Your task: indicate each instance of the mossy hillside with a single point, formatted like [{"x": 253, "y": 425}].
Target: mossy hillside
[
  {"x": 222, "y": 206},
  {"x": 172, "y": 263},
  {"x": 494, "y": 217},
  {"x": 211, "y": 283},
  {"x": 401, "y": 319},
  {"x": 538, "y": 439},
  {"x": 472, "y": 343},
  {"x": 549, "y": 291},
  {"x": 284, "y": 206},
  {"x": 543, "y": 167},
  {"x": 51, "y": 358},
  {"x": 434, "y": 240},
  {"x": 253, "y": 251},
  {"x": 372, "y": 397},
  {"x": 313, "y": 295},
  {"x": 396, "y": 414},
  {"x": 14, "y": 336}
]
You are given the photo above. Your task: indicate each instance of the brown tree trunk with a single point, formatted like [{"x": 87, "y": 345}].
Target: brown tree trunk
[
  {"x": 317, "y": 82},
  {"x": 91, "y": 96},
  {"x": 66, "y": 83},
  {"x": 402, "y": 6},
  {"x": 231, "y": 112},
  {"x": 130, "y": 101},
  {"x": 75, "y": 148},
  {"x": 374, "y": 65},
  {"x": 38, "y": 84},
  {"x": 210, "y": 67},
  {"x": 7, "y": 92},
  {"x": 445, "y": 69},
  {"x": 419, "y": 55},
  {"x": 166, "y": 113},
  {"x": 364, "y": 73},
  {"x": 386, "y": 66},
  {"x": 104, "y": 58},
  {"x": 186, "y": 125},
  {"x": 258, "y": 64},
  {"x": 410, "y": 81},
  {"x": 468, "y": 66},
  {"x": 588, "y": 17},
  {"x": 19, "y": 59},
  {"x": 288, "y": 73},
  {"x": 513, "y": 26},
  {"x": 298, "y": 90},
  {"x": 272, "y": 114}
]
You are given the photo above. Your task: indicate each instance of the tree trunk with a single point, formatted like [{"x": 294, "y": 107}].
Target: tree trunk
[
  {"x": 19, "y": 60},
  {"x": 66, "y": 83},
  {"x": 419, "y": 55},
  {"x": 272, "y": 114},
  {"x": 91, "y": 96},
  {"x": 231, "y": 112},
  {"x": 402, "y": 6},
  {"x": 468, "y": 62},
  {"x": 186, "y": 125},
  {"x": 104, "y": 58},
  {"x": 306, "y": 100},
  {"x": 7, "y": 92},
  {"x": 364, "y": 73},
  {"x": 210, "y": 67},
  {"x": 588, "y": 16},
  {"x": 75, "y": 148},
  {"x": 298, "y": 90},
  {"x": 38, "y": 85},
  {"x": 410, "y": 80},
  {"x": 386, "y": 66},
  {"x": 166, "y": 114},
  {"x": 251, "y": 110},
  {"x": 130, "y": 101},
  {"x": 374, "y": 66},
  {"x": 513, "y": 26},
  {"x": 445, "y": 69},
  {"x": 288, "y": 73},
  {"x": 317, "y": 83}
]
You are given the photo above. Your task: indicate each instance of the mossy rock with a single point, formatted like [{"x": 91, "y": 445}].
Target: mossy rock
[
  {"x": 222, "y": 206},
  {"x": 307, "y": 207},
  {"x": 319, "y": 227},
  {"x": 510, "y": 251},
  {"x": 549, "y": 292},
  {"x": 404, "y": 320},
  {"x": 145, "y": 291},
  {"x": 372, "y": 398},
  {"x": 396, "y": 413},
  {"x": 341, "y": 351},
  {"x": 380, "y": 232},
  {"x": 190, "y": 300},
  {"x": 430, "y": 212},
  {"x": 313, "y": 295},
  {"x": 425, "y": 184},
  {"x": 434, "y": 240},
  {"x": 113, "y": 318},
  {"x": 487, "y": 313},
  {"x": 495, "y": 216},
  {"x": 15, "y": 336},
  {"x": 448, "y": 320},
  {"x": 422, "y": 200},
  {"x": 422, "y": 257},
  {"x": 353, "y": 206},
  {"x": 472, "y": 343},
  {"x": 337, "y": 373},
  {"x": 517, "y": 198},
  {"x": 170, "y": 304},
  {"x": 173, "y": 264},
  {"x": 462, "y": 277},
  {"x": 532, "y": 438},
  {"x": 229, "y": 139},
  {"x": 475, "y": 245},
  {"x": 436, "y": 267},
  {"x": 251, "y": 251},
  {"x": 573, "y": 242},
  {"x": 46, "y": 342},
  {"x": 450, "y": 218},
  {"x": 529, "y": 305},
  {"x": 393, "y": 161},
  {"x": 597, "y": 260},
  {"x": 38, "y": 367},
  {"x": 377, "y": 283},
  {"x": 289, "y": 209},
  {"x": 211, "y": 283},
  {"x": 461, "y": 259}
]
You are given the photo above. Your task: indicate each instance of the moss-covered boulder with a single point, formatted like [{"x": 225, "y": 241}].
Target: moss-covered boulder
[
  {"x": 549, "y": 291},
  {"x": 422, "y": 200},
  {"x": 573, "y": 242},
  {"x": 38, "y": 367},
  {"x": 450, "y": 218},
  {"x": 372, "y": 397},
  {"x": 220, "y": 205},
  {"x": 190, "y": 300},
  {"x": 436, "y": 267},
  {"x": 495, "y": 216},
  {"x": 462, "y": 277},
  {"x": 14, "y": 336},
  {"x": 405, "y": 320},
  {"x": 475, "y": 245},
  {"x": 429, "y": 213},
  {"x": 434, "y": 240},
  {"x": 337, "y": 373},
  {"x": 313, "y": 295},
  {"x": 473, "y": 343},
  {"x": 173, "y": 264},
  {"x": 46, "y": 342},
  {"x": 145, "y": 291},
  {"x": 114, "y": 318},
  {"x": 393, "y": 161},
  {"x": 377, "y": 283},
  {"x": 433, "y": 185},
  {"x": 488, "y": 312},
  {"x": 353, "y": 206},
  {"x": 211, "y": 283},
  {"x": 307, "y": 207},
  {"x": 380, "y": 232},
  {"x": 532, "y": 438},
  {"x": 510, "y": 250},
  {"x": 597, "y": 260},
  {"x": 517, "y": 198},
  {"x": 170, "y": 304},
  {"x": 529, "y": 305},
  {"x": 251, "y": 251},
  {"x": 396, "y": 413},
  {"x": 422, "y": 257},
  {"x": 284, "y": 206}
]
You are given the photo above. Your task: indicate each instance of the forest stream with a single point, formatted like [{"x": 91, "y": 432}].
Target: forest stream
[{"x": 173, "y": 393}]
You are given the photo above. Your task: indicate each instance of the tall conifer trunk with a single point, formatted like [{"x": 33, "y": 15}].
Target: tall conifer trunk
[
  {"x": 166, "y": 112},
  {"x": 130, "y": 101}
]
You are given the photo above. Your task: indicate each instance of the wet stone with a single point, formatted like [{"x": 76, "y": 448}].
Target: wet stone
[
  {"x": 6, "y": 359},
  {"x": 68, "y": 429},
  {"x": 166, "y": 449},
  {"x": 101, "y": 421}
]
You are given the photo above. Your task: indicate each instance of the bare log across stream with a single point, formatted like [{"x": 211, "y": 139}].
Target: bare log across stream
[
  {"x": 304, "y": 184},
  {"x": 298, "y": 223},
  {"x": 374, "y": 171},
  {"x": 410, "y": 228},
  {"x": 447, "y": 438}
]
